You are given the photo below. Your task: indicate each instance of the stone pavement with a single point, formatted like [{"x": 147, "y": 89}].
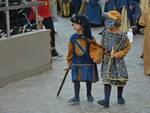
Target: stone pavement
[{"x": 38, "y": 94}]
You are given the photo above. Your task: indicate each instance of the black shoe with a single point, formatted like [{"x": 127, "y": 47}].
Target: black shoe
[
  {"x": 55, "y": 33},
  {"x": 103, "y": 103},
  {"x": 142, "y": 56},
  {"x": 74, "y": 100},
  {"x": 121, "y": 100},
  {"x": 90, "y": 98},
  {"x": 55, "y": 54}
]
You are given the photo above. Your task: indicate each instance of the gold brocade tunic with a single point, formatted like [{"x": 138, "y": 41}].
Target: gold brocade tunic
[
  {"x": 143, "y": 4},
  {"x": 145, "y": 21}
]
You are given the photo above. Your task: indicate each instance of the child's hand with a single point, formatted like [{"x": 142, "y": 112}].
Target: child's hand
[
  {"x": 40, "y": 19},
  {"x": 119, "y": 55},
  {"x": 97, "y": 60}
]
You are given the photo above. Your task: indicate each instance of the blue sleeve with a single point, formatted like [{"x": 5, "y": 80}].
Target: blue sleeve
[{"x": 73, "y": 37}]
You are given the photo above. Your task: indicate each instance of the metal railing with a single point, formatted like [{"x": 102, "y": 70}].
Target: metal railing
[{"x": 23, "y": 4}]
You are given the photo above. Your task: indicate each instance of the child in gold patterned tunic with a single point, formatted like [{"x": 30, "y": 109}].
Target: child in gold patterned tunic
[{"x": 113, "y": 68}]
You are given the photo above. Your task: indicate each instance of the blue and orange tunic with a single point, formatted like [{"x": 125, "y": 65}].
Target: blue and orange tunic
[{"x": 83, "y": 68}]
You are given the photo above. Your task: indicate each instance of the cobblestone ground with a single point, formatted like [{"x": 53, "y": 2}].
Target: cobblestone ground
[{"x": 38, "y": 94}]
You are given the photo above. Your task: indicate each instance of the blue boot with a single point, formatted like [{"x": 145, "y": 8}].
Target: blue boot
[
  {"x": 103, "y": 103},
  {"x": 74, "y": 100},
  {"x": 107, "y": 90},
  {"x": 90, "y": 98},
  {"x": 120, "y": 98}
]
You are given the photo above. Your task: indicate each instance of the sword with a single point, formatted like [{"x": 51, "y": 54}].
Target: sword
[{"x": 63, "y": 81}]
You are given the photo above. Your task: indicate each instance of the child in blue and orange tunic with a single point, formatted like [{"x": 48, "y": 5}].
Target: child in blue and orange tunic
[{"x": 83, "y": 68}]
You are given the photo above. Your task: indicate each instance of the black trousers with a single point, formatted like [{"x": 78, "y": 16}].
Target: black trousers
[{"x": 49, "y": 24}]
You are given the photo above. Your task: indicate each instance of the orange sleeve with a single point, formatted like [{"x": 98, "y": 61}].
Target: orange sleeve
[
  {"x": 70, "y": 52},
  {"x": 126, "y": 50},
  {"x": 122, "y": 53}
]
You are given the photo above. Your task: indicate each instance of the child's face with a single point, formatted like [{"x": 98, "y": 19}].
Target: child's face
[
  {"x": 77, "y": 27},
  {"x": 115, "y": 29}
]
